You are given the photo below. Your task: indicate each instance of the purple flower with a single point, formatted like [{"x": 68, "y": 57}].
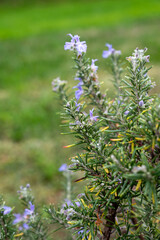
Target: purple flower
[
  {"x": 141, "y": 103},
  {"x": 82, "y": 231},
  {"x": 63, "y": 167},
  {"x": 75, "y": 44},
  {"x": 78, "y": 204},
  {"x": 75, "y": 38},
  {"x": 94, "y": 68},
  {"x": 126, "y": 112},
  {"x": 92, "y": 118},
  {"x": 147, "y": 58},
  {"x": 25, "y": 226},
  {"x": 120, "y": 101},
  {"x": 81, "y": 47},
  {"x": 24, "y": 217},
  {"x": 71, "y": 45},
  {"x": 7, "y": 210},
  {"x": 80, "y": 195},
  {"x": 106, "y": 54},
  {"x": 78, "y": 78},
  {"x": 79, "y": 84},
  {"x": 79, "y": 92},
  {"x": 29, "y": 211},
  {"x": 18, "y": 218},
  {"x": 68, "y": 202},
  {"x": 110, "y": 51},
  {"x": 78, "y": 105},
  {"x": 145, "y": 75}
]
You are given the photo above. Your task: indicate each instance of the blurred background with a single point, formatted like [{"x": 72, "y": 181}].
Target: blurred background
[{"x": 32, "y": 37}]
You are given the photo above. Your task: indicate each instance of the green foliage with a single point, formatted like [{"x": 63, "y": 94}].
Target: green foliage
[
  {"x": 7, "y": 230},
  {"x": 121, "y": 146}
]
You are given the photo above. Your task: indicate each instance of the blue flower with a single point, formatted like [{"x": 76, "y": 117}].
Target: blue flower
[
  {"x": 68, "y": 202},
  {"x": 7, "y": 210},
  {"x": 110, "y": 51},
  {"x": 75, "y": 38},
  {"x": 29, "y": 211},
  {"x": 25, "y": 217},
  {"x": 126, "y": 112},
  {"x": 18, "y": 218},
  {"x": 94, "y": 68},
  {"x": 75, "y": 44},
  {"x": 147, "y": 58},
  {"x": 78, "y": 105},
  {"x": 92, "y": 118},
  {"x": 25, "y": 226},
  {"x": 79, "y": 92},
  {"x": 79, "y": 84},
  {"x": 78, "y": 203},
  {"x": 71, "y": 45},
  {"x": 80, "y": 195},
  {"x": 106, "y": 54},
  {"x": 141, "y": 103},
  {"x": 81, "y": 47},
  {"x": 145, "y": 75},
  {"x": 81, "y": 232},
  {"x": 63, "y": 167}
]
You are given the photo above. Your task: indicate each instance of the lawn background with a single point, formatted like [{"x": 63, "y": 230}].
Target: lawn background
[{"x": 32, "y": 36}]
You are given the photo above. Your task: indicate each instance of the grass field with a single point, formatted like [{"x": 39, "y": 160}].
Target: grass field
[{"x": 32, "y": 36}]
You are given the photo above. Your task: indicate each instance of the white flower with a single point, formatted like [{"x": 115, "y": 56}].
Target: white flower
[{"x": 139, "y": 169}]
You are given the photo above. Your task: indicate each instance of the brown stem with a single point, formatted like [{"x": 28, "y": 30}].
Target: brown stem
[
  {"x": 5, "y": 230},
  {"x": 110, "y": 220}
]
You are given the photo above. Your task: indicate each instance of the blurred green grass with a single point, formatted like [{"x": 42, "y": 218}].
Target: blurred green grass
[
  {"x": 72, "y": 15},
  {"x": 32, "y": 35}
]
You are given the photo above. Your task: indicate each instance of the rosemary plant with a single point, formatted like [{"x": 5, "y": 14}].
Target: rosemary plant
[
  {"x": 120, "y": 141},
  {"x": 119, "y": 163}
]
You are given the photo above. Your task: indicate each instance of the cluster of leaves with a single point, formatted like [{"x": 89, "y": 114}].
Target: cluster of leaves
[
  {"x": 121, "y": 149},
  {"x": 28, "y": 225}
]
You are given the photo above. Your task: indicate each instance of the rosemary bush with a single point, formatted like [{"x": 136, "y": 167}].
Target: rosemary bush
[
  {"x": 120, "y": 139},
  {"x": 119, "y": 163},
  {"x": 28, "y": 225}
]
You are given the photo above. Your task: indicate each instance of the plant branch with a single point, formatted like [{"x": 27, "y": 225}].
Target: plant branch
[{"x": 110, "y": 220}]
